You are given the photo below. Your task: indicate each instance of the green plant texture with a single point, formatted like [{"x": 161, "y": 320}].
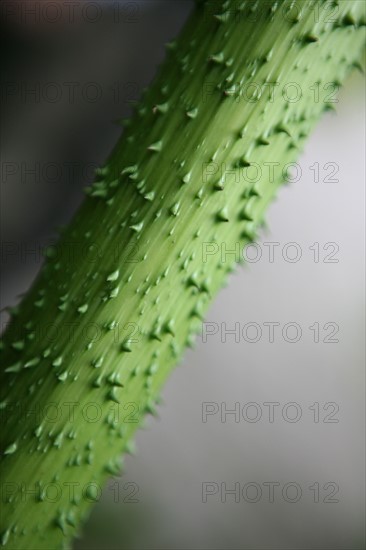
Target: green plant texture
[{"x": 130, "y": 266}]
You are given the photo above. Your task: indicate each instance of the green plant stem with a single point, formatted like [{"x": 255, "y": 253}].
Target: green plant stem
[{"x": 125, "y": 290}]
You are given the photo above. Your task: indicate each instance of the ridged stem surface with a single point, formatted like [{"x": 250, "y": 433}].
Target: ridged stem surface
[{"x": 125, "y": 290}]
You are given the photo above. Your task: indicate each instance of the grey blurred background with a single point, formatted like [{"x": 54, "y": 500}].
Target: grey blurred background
[{"x": 320, "y": 384}]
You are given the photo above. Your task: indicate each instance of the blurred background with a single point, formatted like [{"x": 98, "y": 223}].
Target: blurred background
[{"x": 286, "y": 471}]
